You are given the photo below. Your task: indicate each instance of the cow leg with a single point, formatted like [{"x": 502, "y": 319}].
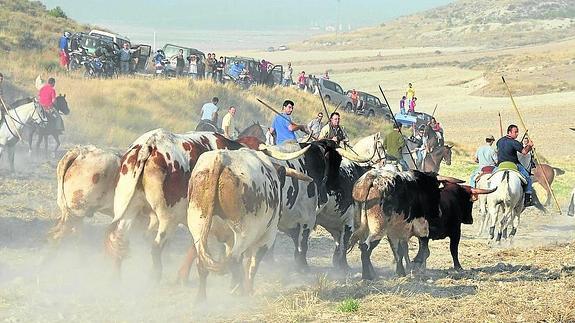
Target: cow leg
[
  {"x": 300, "y": 238},
  {"x": 454, "y": 249},
  {"x": 366, "y": 272},
  {"x": 252, "y": 268},
  {"x": 116, "y": 245},
  {"x": 304, "y": 246},
  {"x": 400, "y": 249},
  {"x": 164, "y": 229},
  {"x": 184, "y": 271},
  {"x": 203, "y": 277},
  {"x": 238, "y": 279},
  {"x": 422, "y": 253},
  {"x": 346, "y": 236}
]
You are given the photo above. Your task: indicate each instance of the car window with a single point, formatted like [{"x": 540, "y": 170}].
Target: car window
[
  {"x": 329, "y": 85},
  {"x": 371, "y": 99},
  {"x": 377, "y": 102},
  {"x": 338, "y": 88}
]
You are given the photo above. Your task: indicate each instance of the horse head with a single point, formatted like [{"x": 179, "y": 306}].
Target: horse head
[
  {"x": 447, "y": 154},
  {"x": 61, "y": 104}
]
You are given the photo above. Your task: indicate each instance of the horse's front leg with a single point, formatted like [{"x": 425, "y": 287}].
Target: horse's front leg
[
  {"x": 45, "y": 137},
  {"x": 30, "y": 139},
  {"x": 57, "y": 145}
]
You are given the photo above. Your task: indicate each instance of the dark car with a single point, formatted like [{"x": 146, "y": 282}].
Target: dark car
[
  {"x": 245, "y": 71},
  {"x": 371, "y": 106}
]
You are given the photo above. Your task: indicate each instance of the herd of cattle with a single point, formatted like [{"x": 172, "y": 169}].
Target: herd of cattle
[{"x": 240, "y": 193}]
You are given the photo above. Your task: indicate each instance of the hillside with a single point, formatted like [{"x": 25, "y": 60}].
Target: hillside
[
  {"x": 29, "y": 25},
  {"x": 488, "y": 23}
]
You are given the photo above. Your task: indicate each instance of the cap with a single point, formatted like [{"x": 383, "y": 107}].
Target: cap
[{"x": 490, "y": 137}]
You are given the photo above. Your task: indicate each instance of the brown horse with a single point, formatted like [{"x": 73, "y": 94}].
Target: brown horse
[
  {"x": 255, "y": 130},
  {"x": 433, "y": 159},
  {"x": 544, "y": 175}
]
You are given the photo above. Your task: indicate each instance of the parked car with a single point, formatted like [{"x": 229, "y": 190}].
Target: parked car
[
  {"x": 417, "y": 119},
  {"x": 282, "y": 47},
  {"x": 332, "y": 92},
  {"x": 370, "y": 106},
  {"x": 171, "y": 51},
  {"x": 118, "y": 39},
  {"x": 245, "y": 71}
]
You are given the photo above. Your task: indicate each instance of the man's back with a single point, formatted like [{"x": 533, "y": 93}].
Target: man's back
[
  {"x": 486, "y": 156},
  {"x": 393, "y": 143},
  {"x": 507, "y": 150},
  {"x": 208, "y": 111}
]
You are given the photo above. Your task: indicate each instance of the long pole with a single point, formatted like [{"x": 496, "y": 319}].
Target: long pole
[
  {"x": 534, "y": 153},
  {"x": 323, "y": 102},
  {"x": 500, "y": 125},
  {"x": 399, "y": 128},
  {"x": 433, "y": 114}
]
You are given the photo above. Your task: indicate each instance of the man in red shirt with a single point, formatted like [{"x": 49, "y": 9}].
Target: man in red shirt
[{"x": 47, "y": 94}]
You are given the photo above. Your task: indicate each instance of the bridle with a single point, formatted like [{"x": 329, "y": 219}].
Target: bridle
[{"x": 18, "y": 120}]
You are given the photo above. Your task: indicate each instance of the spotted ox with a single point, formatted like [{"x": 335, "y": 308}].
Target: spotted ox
[
  {"x": 154, "y": 176},
  {"x": 337, "y": 216},
  {"x": 86, "y": 179},
  {"x": 235, "y": 196},
  {"x": 393, "y": 204},
  {"x": 456, "y": 204},
  {"x": 303, "y": 201}
]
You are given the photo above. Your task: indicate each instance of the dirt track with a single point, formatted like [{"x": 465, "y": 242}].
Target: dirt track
[{"x": 76, "y": 283}]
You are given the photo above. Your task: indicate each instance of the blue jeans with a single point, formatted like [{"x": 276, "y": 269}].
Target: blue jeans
[
  {"x": 473, "y": 174},
  {"x": 403, "y": 164},
  {"x": 525, "y": 174}
]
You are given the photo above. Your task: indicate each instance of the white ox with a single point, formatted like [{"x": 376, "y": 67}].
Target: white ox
[
  {"x": 235, "y": 196},
  {"x": 504, "y": 205},
  {"x": 86, "y": 180}
]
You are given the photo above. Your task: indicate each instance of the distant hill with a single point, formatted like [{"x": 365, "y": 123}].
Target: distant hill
[
  {"x": 28, "y": 25},
  {"x": 485, "y": 23}
]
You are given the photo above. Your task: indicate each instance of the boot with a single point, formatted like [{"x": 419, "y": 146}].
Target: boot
[{"x": 528, "y": 200}]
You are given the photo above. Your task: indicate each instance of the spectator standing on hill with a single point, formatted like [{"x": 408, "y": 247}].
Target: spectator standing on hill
[
  {"x": 315, "y": 125},
  {"x": 220, "y": 65},
  {"x": 228, "y": 123},
  {"x": 402, "y": 105},
  {"x": 282, "y": 125},
  {"x": 410, "y": 93},
  {"x": 64, "y": 52},
  {"x": 301, "y": 80},
  {"x": 210, "y": 61},
  {"x": 126, "y": 58},
  {"x": 210, "y": 111},
  {"x": 326, "y": 75},
  {"x": 288, "y": 75},
  {"x": 412, "y": 105},
  {"x": 180, "y": 63},
  {"x": 354, "y": 98},
  {"x": 332, "y": 130},
  {"x": 193, "y": 71}
]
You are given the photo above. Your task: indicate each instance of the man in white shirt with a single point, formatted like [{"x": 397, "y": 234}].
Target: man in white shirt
[
  {"x": 228, "y": 124},
  {"x": 485, "y": 156}
]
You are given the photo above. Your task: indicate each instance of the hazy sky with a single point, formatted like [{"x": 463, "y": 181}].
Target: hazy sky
[{"x": 248, "y": 23}]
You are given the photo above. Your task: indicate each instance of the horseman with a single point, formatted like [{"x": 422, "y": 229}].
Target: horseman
[
  {"x": 485, "y": 156},
  {"x": 333, "y": 130},
  {"x": 210, "y": 112},
  {"x": 507, "y": 149},
  {"x": 47, "y": 98}
]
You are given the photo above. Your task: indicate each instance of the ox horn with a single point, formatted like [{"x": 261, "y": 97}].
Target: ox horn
[
  {"x": 290, "y": 172},
  {"x": 448, "y": 179},
  {"x": 274, "y": 153},
  {"x": 354, "y": 157},
  {"x": 482, "y": 190}
]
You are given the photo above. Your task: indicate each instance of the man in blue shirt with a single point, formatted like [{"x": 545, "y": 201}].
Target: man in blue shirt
[
  {"x": 282, "y": 125},
  {"x": 484, "y": 156},
  {"x": 507, "y": 149}
]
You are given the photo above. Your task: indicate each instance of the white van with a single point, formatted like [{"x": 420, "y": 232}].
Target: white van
[{"x": 118, "y": 39}]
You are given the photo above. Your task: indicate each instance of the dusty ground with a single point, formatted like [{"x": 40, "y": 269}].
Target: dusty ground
[{"x": 76, "y": 283}]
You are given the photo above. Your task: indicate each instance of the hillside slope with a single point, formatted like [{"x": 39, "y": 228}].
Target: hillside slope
[{"x": 487, "y": 23}]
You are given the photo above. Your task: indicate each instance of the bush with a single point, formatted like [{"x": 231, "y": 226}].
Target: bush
[
  {"x": 348, "y": 305},
  {"x": 26, "y": 40},
  {"x": 57, "y": 12},
  {"x": 48, "y": 66}
]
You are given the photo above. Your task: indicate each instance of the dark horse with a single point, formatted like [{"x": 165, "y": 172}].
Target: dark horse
[
  {"x": 50, "y": 129},
  {"x": 255, "y": 130}
]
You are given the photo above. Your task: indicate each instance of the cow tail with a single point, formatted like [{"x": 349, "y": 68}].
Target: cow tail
[
  {"x": 128, "y": 179},
  {"x": 360, "y": 232},
  {"x": 64, "y": 164},
  {"x": 208, "y": 194}
]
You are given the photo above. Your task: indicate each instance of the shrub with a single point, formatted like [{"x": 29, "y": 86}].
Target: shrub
[
  {"x": 26, "y": 40},
  {"x": 348, "y": 305},
  {"x": 57, "y": 12}
]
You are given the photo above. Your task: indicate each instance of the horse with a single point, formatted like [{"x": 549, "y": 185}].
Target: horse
[
  {"x": 255, "y": 130},
  {"x": 432, "y": 161},
  {"x": 544, "y": 174},
  {"x": 50, "y": 129},
  {"x": 571, "y": 209},
  {"x": 13, "y": 122}
]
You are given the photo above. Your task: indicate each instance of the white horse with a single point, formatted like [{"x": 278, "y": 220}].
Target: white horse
[
  {"x": 371, "y": 145},
  {"x": 12, "y": 125},
  {"x": 571, "y": 210},
  {"x": 504, "y": 206}
]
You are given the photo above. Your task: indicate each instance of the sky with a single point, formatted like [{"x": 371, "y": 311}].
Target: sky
[{"x": 141, "y": 18}]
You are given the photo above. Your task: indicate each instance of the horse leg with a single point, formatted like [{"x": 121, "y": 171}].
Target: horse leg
[
  {"x": 30, "y": 140},
  {"x": 45, "y": 145},
  {"x": 55, "y": 136},
  {"x": 11, "y": 151}
]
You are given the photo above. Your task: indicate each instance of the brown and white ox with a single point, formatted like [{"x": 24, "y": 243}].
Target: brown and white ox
[
  {"x": 86, "y": 180},
  {"x": 153, "y": 179},
  {"x": 398, "y": 205},
  {"x": 235, "y": 196}
]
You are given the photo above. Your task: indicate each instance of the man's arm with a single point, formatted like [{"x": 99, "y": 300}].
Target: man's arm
[{"x": 527, "y": 147}]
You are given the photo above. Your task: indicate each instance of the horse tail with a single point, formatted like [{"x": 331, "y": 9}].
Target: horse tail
[{"x": 558, "y": 171}]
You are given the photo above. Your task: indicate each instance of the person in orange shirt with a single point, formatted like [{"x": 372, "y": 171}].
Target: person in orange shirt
[{"x": 354, "y": 98}]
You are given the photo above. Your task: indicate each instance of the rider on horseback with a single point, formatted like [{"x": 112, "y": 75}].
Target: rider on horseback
[
  {"x": 485, "y": 156},
  {"x": 46, "y": 99},
  {"x": 210, "y": 112},
  {"x": 507, "y": 149}
]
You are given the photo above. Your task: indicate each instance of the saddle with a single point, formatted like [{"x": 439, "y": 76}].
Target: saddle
[
  {"x": 509, "y": 166},
  {"x": 485, "y": 170}
]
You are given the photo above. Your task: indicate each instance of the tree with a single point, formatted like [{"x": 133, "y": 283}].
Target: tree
[{"x": 57, "y": 12}]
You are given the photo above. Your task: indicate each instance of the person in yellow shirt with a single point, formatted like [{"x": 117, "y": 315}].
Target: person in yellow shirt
[
  {"x": 410, "y": 93},
  {"x": 228, "y": 124}
]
